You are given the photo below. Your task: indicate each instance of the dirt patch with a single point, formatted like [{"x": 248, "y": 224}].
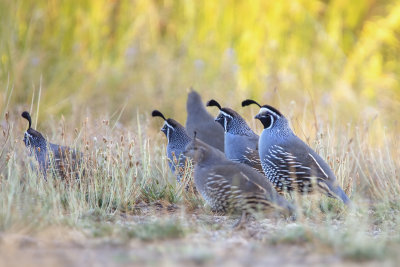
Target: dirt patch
[{"x": 208, "y": 240}]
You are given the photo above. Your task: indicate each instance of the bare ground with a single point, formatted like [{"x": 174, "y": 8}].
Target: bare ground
[{"x": 208, "y": 240}]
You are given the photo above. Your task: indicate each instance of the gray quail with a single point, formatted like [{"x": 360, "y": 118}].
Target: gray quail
[
  {"x": 67, "y": 161},
  {"x": 241, "y": 143},
  {"x": 288, "y": 162},
  {"x": 231, "y": 187},
  {"x": 177, "y": 139},
  {"x": 200, "y": 121}
]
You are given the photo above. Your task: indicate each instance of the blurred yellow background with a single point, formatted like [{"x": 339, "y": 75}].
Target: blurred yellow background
[{"x": 339, "y": 58}]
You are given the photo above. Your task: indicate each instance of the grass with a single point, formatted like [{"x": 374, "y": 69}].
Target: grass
[
  {"x": 90, "y": 72},
  {"x": 130, "y": 194},
  {"x": 342, "y": 56}
]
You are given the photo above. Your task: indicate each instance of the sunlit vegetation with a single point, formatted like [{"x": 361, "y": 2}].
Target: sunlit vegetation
[{"x": 90, "y": 72}]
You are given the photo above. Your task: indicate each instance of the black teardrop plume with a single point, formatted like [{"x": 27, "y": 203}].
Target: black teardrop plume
[
  {"x": 27, "y": 116},
  {"x": 213, "y": 103},
  {"x": 248, "y": 102},
  {"x": 157, "y": 113}
]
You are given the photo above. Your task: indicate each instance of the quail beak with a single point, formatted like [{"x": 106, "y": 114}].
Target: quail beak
[{"x": 258, "y": 116}]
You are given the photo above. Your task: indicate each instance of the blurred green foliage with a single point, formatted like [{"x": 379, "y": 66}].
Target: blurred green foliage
[{"x": 97, "y": 56}]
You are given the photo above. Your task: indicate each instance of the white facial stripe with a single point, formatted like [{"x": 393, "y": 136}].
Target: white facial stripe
[
  {"x": 27, "y": 134},
  {"x": 169, "y": 126},
  {"x": 272, "y": 122},
  {"x": 263, "y": 109},
  {"x": 225, "y": 124},
  {"x": 226, "y": 114},
  {"x": 168, "y": 133}
]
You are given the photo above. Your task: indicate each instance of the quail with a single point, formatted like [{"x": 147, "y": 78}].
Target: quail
[
  {"x": 241, "y": 143},
  {"x": 231, "y": 187},
  {"x": 200, "y": 121},
  {"x": 177, "y": 139},
  {"x": 66, "y": 160},
  {"x": 288, "y": 162}
]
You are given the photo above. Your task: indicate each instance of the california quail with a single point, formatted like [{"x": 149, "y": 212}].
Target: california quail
[
  {"x": 231, "y": 187},
  {"x": 288, "y": 162},
  {"x": 200, "y": 121},
  {"x": 66, "y": 160},
  {"x": 177, "y": 139},
  {"x": 241, "y": 143}
]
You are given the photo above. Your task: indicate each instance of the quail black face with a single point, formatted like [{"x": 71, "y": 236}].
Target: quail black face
[
  {"x": 266, "y": 119},
  {"x": 165, "y": 129},
  {"x": 224, "y": 118},
  {"x": 220, "y": 119},
  {"x": 27, "y": 138},
  {"x": 33, "y": 138},
  {"x": 268, "y": 116},
  {"x": 171, "y": 127},
  {"x": 168, "y": 128}
]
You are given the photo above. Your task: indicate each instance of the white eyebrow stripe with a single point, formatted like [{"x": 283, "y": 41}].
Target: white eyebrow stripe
[
  {"x": 225, "y": 114},
  {"x": 169, "y": 126},
  {"x": 318, "y": 165},
  {"x": 264, "y": 109}
]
